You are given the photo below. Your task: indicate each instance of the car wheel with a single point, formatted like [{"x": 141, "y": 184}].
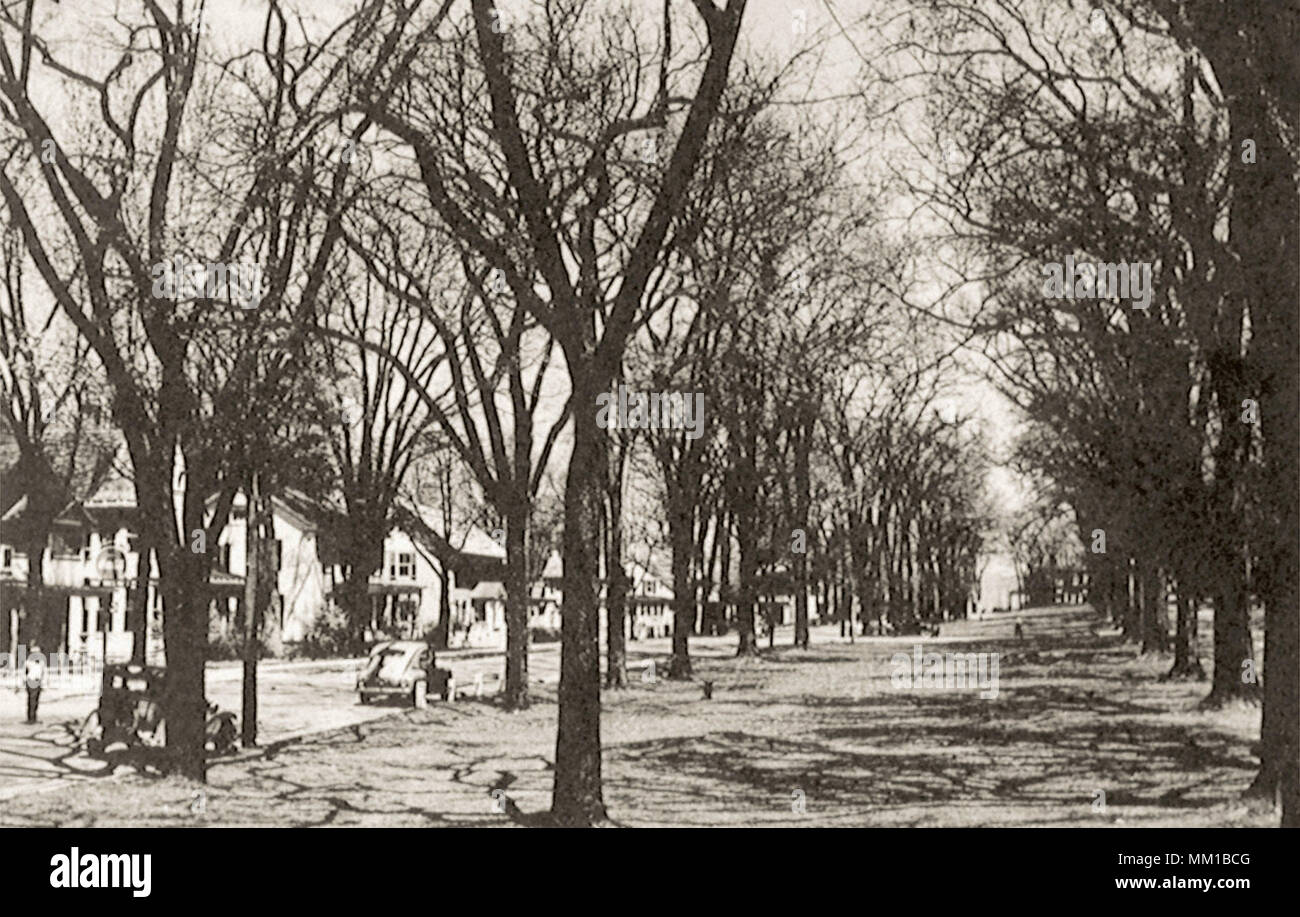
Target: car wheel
[{"x": 364, "y": 699}]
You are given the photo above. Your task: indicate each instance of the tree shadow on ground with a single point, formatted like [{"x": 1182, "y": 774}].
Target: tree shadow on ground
[{"x": 1056, "y": 744}]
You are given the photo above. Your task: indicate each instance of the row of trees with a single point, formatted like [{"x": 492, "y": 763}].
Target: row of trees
[{"x": 1164, "y": 134}]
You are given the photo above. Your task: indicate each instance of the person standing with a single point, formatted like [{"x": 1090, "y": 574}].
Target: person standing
[{"x": 34, "y": 676}]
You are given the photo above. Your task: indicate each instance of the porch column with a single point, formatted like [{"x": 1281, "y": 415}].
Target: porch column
[{"x": 76, "y": 621}]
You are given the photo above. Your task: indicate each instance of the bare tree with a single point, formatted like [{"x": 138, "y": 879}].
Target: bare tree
[
  {"x": 557, "y": 222},
  {"x": 50, "y": 406},
  {"x": 150, "y": 175}
]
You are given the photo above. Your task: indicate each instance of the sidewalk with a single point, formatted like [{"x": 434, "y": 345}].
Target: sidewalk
[{"x": 219, "y": 671}]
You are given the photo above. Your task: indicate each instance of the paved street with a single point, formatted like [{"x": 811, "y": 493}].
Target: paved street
[
  {"x": 824, "y": 736},
  {"x": 294, "y": 699}
]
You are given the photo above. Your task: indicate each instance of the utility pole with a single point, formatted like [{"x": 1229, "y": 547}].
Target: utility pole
[{"x": 252, "y": 620}]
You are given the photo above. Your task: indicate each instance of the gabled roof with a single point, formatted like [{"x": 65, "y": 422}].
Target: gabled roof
[
  {"x": 481, "y": 544},
  {"x": 476, "y": 545},
  {"x": 298, "y": 517},
  {"x": 639, "y": 573},
  {"x": 301, "y": 511},
  {"x": 636, "y": 571},
  {"x": 312, "y": 507},
  {"x": 116, "y": 492}
]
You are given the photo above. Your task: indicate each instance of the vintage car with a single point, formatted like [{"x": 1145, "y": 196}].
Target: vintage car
[
  {"x": 403, "y": 668},
  {"x": 129, "y": 709},
  {"x": 130, "y": 712}
]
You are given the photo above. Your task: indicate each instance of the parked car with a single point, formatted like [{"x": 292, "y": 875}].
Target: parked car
[{"x": 407, "y": 668}]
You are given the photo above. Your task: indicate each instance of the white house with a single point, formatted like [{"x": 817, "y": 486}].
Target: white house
[
  {"x": 300, "y": 587},
  {"x": 649, "y": 600},
  {"x": 91, "y": 564},
  {"x": 406, "y": 594}
]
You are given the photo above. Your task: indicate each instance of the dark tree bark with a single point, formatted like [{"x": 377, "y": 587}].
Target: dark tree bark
[
  {"x": 516, "y": 681},
  {"x": 442, "y": 630},
  {"x": 616, "y": 596},
  {"x": 1233, "y": 649},
  {"x": 137, "y": 604},
  {"x": 1155, "y": 613},
  {"x": 251, "y": 617},
  {"x": 578, "y": 798},
  {"x": 1187, "y": 660},
  {"x": 747, "y": 536},
  {"x": 802, "y": 504},
  {"x": 185, "y": 635},
  {"x": 1132, "y": 601},
  {"x": 680, "y": 516}
]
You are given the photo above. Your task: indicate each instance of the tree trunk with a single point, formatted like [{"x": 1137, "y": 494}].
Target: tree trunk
[
  {"x": 516, "y": 682},
  {"x": 615, "y": 627},
  {"x": 1236, "y": 674},
  {"x": 837, "y": 595},
  {"x": 578, "y": 799},
  {"x": 725, "y": 594},
  {"x": 616, "y": 598},
  {"x": 442, "y": 631},
  {"x": 1132, "y": 604},
  {"x": 137, "y": 605},
  {"x": 848, "y": 605},
  {"x": 34, "y": 624},
  {"x": 747, "y": 534},
  {"x": 362, "y": 555},
  {"x": 679, "y": 534},
  {"x": 355, "y": 594},
  {"x": 1279, "y": 729},
  {"x": 802, "y": 502},
  {"x": 252, "y": 616},
  {"x": 1155, "y": 626},
  {"x": 183, "y": 576},
  {"x": 1187, "y": 659}
]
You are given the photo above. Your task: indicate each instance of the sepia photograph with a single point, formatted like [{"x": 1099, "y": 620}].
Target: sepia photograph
[{"x": 840, "y": 414}]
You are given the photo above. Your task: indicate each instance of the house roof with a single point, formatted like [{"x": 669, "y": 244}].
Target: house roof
[
  {"x": 16, "y": 510},
  {"x": 116, "y": 492},
  {"x": 108, "y": 491},
  {"x": 312, "y": 507},
  {"x": 481, "y": 544},
  {"x": 637, "y": 572},
  {"x": 475, "y": 546},
  {"x": 489, "y": 589},
  {"x": 298, "y": 516}
]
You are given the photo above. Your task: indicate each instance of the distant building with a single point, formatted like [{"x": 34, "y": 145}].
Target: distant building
[{"x": 649, "y": 600}]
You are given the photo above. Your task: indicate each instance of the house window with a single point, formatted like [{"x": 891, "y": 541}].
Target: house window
[
  {"x": 277, "y": 554},
  {"x": 406, "y": 612},
  {"x": 401, "y": 565},
  {"x": 6, "y": 557},
  {"x": 225, "y": 558}
]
